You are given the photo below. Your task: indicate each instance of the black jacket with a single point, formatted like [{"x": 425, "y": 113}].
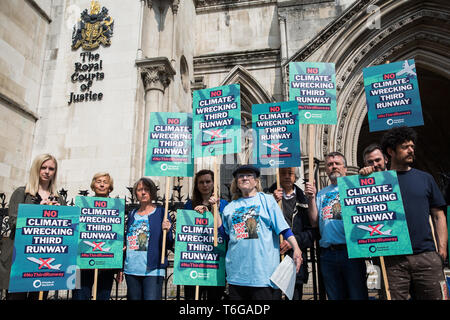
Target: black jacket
[{"x": 302, "y": 230}]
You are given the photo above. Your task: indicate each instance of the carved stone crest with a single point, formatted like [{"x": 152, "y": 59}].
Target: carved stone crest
[{"x": 93, "y": 29}]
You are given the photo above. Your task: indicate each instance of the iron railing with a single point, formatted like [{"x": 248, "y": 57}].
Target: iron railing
[{"x": 176, "y": 201}]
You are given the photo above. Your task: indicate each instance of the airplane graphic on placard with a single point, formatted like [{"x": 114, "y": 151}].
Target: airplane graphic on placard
[
  {"x": 376, "y": 229},
  {"x": 97, "y": 246},
  {"x": 215, "y": 133},
  {"x": 45, "y": 262},
  {"x": 408, "y": 69},
  {"x": 276, "y": 147}
]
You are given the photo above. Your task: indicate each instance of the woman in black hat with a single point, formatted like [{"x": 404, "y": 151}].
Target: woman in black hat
[{"x": 253, "y": 222}]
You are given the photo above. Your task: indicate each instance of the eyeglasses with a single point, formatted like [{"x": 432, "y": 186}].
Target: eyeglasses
[{"x": 246, "y": 175}]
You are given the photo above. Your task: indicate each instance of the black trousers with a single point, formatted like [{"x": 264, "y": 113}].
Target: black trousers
[{"x": 253, "y": 293}]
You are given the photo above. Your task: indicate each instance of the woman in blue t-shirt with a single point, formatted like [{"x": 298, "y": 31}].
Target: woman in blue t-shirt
[
  {"x": 143, "y": 270},
  {"x": 253, "y": 222},
  {"x": 203, "y": 190}
]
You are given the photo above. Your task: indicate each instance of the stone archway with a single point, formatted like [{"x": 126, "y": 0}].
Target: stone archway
[
  {"x": 408, "y": 29},
  {"x": 433, "y": 149},
  {"x": 420, "y": 32}
]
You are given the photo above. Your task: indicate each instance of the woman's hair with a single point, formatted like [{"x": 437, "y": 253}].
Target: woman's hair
[
  {"x": 236, "y": 193},
  {"x": 32, "y": 187},
  {"x": 149, "y": 184},
  {"x": 196, "y": 195},
  {"x": 102, "y": 174}
]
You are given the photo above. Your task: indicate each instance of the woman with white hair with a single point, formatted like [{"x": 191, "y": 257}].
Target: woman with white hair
[
  {"x": 40, "y": 189},
  {"x": 102, "y": 184}
]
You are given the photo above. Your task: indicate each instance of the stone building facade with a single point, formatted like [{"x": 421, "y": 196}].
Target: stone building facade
[{"x": 163, "y": 50}]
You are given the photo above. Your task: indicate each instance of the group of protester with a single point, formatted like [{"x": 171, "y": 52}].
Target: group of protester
[{"x": 287, "y": 221}]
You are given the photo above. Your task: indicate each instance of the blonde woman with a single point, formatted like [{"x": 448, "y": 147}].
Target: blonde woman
[{"x": 40, "y": 189}]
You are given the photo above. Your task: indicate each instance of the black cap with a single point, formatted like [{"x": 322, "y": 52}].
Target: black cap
[{"x": 247, "y": 167}]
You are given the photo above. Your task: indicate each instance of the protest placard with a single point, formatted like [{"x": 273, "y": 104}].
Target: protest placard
[
  {"x": 392, "y": 95},
  {"x": 169, "y": 147},
  {"x": 100, "y": 243},
  {"x": 169, "y": 151},
  {"x": 217, "y": 121},
  {"x": 313, "y": 86},
  {"x": 197, "y": 261},
  {"x": 373, "y": 215},
  {"x": 276, "y": 135},
  {"x": 45, "y": 248},
  {"x": 216, "y": 128}
]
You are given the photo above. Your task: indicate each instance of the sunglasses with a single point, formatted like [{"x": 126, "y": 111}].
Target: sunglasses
[{"x": 245, "y": 175}]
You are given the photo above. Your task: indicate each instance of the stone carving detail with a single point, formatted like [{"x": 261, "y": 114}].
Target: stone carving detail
[
  {"x": 175, "y": 5},
  {"x": 156, "y": 73},
  {"x": 208, "y": 3},
  {"x": 155, "y": 77}
]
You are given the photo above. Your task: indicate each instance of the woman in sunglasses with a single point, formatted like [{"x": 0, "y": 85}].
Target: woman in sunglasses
[{"x": 253, "y": 222}]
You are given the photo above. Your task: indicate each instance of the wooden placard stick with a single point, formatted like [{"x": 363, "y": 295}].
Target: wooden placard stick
[
  {"x": 386, "y": 283},
  {"x": 94, "y": 286},
  {"x": 280, "y": 203},
  {"x": 166, "y": 210},
  {"x": 312, "y": 147},
  {"x": 197, "y": 292},
  {"x": 215, "y": 193}
]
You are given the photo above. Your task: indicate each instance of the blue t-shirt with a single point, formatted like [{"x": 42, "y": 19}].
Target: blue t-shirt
[
  {"x": 137, "y": 247},
  {"x": 253, "y": 225},
  {"x": 222, "y": 205},
  {"x": 419, "y": 193},
  {"x": 331, "y": 225}
]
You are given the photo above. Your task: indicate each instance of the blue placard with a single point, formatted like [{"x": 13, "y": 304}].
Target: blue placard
[
  {"x": 169, "y": 147},
  {"x": 276, "y": 135},
  {"x": 373, "y": 215},
  {"x": 392, "y": 95},
  {"x": 45, "y": 248},
  {"x": 216, "y": 128},
  {"x": 313, "y": 86}
]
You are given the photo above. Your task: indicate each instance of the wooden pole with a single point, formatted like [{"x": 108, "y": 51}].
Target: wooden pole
[
  {"x": 311, "y": 145},
  {"x": 386, "y": 283},
  {"x": 215, "y": 193},
  {"x": 197, "y": 292},
  {"x": 94, "y": 286},
  {"x": 280, "y": 203},
  {"x": 166, "y": 210},
  {"x": 432, "y": 232}
]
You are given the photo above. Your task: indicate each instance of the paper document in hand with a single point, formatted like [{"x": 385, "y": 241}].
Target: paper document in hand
[{"x": 284, "y": 276}]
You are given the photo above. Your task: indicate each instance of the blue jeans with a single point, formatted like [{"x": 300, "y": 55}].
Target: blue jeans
[
  {"x": 343, "y": 278},
  {"x": 144, "y": 287}
]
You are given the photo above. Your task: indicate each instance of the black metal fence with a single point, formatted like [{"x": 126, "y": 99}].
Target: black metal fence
[{"x": 176, "y": 201}]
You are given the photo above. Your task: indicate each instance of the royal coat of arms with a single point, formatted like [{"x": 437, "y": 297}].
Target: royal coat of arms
[{"x": 94, "y": 28}]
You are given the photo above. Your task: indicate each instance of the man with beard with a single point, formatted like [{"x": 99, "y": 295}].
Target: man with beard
[
  {"x": 344, "y": 278},
  {"x": 422, "y": 272}
]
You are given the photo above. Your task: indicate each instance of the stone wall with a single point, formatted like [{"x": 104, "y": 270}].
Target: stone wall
[{"x": 23, "y": 31}]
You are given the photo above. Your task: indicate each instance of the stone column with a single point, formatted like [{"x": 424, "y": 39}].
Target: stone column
[
  {"x": 283, "y": 55},
  {"x": 283, "y": 38},
  {"x": 156, "y": 73}
]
